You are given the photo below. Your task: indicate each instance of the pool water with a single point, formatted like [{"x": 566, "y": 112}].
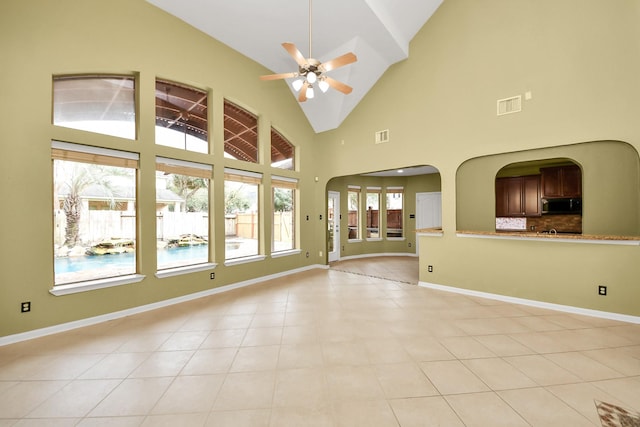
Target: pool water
[{"x": 174, "y": 256}]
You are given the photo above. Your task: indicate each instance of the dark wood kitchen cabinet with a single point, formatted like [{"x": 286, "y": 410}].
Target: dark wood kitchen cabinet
[
  {"x": 518, "y": 196},
  {"x": 561, "y": 181}
]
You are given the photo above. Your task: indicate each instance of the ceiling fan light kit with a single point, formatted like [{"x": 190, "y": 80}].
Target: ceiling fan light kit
[{"x": 311, "y": 71}]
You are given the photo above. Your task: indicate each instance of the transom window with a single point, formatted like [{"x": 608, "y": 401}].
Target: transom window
[
  {"x": 181, "y": 117},
  {"x": 240, "y": 133},
  {"x": 282, "y": 151},
  {"x": 102, "y": 104}
]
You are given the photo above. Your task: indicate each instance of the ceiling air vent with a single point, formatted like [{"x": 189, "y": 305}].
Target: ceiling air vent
[
  {"x": 382, "y": 136},
  {"x": 509, "y": 105}
]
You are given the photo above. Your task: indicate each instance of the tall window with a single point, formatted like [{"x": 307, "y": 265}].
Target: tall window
[
  {"x": 182, "y": 212},
  {"x": 283, "y": 231},
  {"x": 353, "y": 196},
  {"x": 241, "y": 190},
  {"x": 181, "y": 117},
  {"x": 240, "y": 133},
  {"x": 394, "y": 211},
  {"x": 282, "y": 151},
  {"x": 102, "y": 104},
  {"x": 94, "y": 212},
  {"x": 373, "y": 212}
]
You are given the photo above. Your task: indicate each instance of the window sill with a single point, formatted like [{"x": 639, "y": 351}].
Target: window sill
[
  {"x": 285, "y": 253},
  {"x": 397, "y": 239},
  {"x": 354, "y": 240},
  {"x": 374, "y": 239},
  {"x": 74, "y": 288},
  {"x": 185, "y": 270},
  {"x": 244, "y": 260}
]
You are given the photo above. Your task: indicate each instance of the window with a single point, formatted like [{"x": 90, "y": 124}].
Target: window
[
  {"x": 182, "y": 213},
  {"x": 101, "y": 104},
  {"x": 240, "y": 133},
  {"x": 181, "y": 117},
  {"x": 241, "y": 190},
  {"x": 283, "y": 232},
  {"x": 353, "y": 196},
  {"x": 94, "y": 212},
  {"x": 373, "y": 212},
  {"x": 394, "y": 211},
  {"x": 282, "y": 151}
]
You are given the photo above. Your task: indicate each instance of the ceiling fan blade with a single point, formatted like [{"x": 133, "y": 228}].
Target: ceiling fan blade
[
  {"x": 346, "y": 89},
  {"x": 340, "y": 61},
  {"x": 295, "y": 53},
  {"x": 303, "y": 92},
  {"x": 278, "y": 76}
]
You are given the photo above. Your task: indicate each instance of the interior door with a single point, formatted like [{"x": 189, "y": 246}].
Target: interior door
[
  {"x": 428, "y": 211},
  {"x": 333, "y": 224}
]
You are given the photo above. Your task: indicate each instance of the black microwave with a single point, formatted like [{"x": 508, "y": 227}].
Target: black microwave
[{"x": 562, "y": 206}]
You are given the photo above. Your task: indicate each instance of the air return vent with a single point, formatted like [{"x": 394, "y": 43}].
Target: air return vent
[
  {"x": 382, "y": 136},
  {"x": 509, "y": 105}
]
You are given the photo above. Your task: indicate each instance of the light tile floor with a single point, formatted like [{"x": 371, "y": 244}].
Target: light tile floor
[{"x": 334, "y": 347}]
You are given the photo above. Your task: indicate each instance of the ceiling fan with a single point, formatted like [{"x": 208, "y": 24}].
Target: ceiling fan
[{"x": 311, "y": 71}]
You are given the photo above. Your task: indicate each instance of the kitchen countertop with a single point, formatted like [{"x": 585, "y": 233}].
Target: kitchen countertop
[{"x": 529, "y": 235}]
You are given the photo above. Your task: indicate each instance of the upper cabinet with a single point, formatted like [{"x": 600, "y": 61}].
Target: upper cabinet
[
  {"x": 561, "y": 181},
  {"x": 518, "y": 196}
]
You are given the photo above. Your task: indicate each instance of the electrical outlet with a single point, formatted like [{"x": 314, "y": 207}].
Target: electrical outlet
[
  {"x": 602, "y": 290},
  {"x": 320, "y": 253},
  {"x": 307, "y": 254},
  {"x": 430, "y": 268},
  {"x": 25, "y": 307},
  {"x": 409, "y": 244},
  {"x": 212, "y": 276}
]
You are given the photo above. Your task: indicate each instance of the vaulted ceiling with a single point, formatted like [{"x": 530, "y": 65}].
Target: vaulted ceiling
[{"x": 377, "y": 31}]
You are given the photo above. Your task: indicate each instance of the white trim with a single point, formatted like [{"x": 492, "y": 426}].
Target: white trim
[
  {"x": 37, "y": 333},
  {"x": 160, "y": 274},
  {"x": 429, "y": 233},
  {"x": 283, "y": 178},
  {"x": 393, "y": 189},
  {"x": 243, "y": 173},
  {"x": 534, "y": 303},
  {"x": 94, "y": 150},
  {"x": 185, "y": 163},
  {"x": 396, "y": 239},
  {"x": 244, "y": 260},
  {"x": 376, "y": 189},
  {"x": 354, "y": 187},
  {"x": 288, "y": 252},
  {"x": 373, "y": 239},
  {"x": 354, "y": 240},
  {"x": 552, "y": 239},
  {"x": 74, "y": 288},
  {"x": 411, "y": 254}
]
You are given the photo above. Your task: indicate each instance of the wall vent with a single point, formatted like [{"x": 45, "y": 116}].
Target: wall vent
[
  {"x": 382, "y": 136},
  {"x": 509, "y": 105}
]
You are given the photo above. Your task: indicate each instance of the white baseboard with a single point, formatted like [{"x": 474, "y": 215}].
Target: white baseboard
[
  {"x": 345, "y": 258},
  {"x": 63, "y": 327},
  {"x": 533, "y": 303}
]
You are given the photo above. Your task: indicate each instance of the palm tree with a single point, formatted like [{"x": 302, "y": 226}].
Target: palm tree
[{"x": 73, "y": 179}]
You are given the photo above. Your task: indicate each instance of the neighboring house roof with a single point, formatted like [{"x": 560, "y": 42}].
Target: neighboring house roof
[{"x": 97, "y": 192}]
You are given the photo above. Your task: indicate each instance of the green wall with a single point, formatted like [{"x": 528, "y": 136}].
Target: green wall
[
  {"x": 129, "y": 37},
  {"x": 579, "y": 59},
  {"x": 610, "y": 176}
]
